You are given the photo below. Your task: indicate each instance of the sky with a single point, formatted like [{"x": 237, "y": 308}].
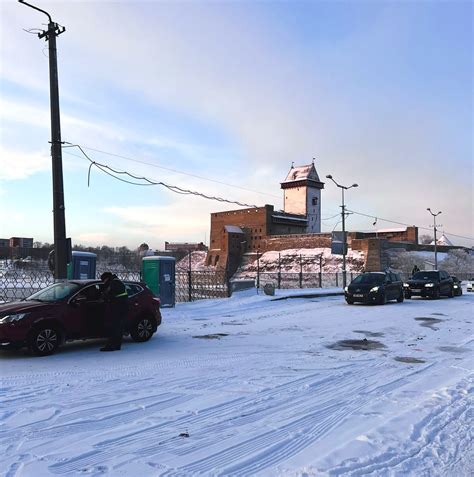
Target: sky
[{"x": 222, "y": 97}]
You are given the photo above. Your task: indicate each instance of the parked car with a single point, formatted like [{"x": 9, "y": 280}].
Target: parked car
[
  {"x": 432, "y": 284},
  {"x": 457, "y": 286},
  {"x": 470, "y": 285},
  {"x": 375, "y": 287},
  {"x": 74, "y": 310}
]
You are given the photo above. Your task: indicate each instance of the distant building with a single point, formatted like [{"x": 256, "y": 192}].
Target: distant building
[
  {"x": 185, "y": 247},
  {"x": 21, "y": 242},
  {"x": 4, "y": 242}
]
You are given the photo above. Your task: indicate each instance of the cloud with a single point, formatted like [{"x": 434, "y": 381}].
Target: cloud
[
  {"x": 93, "y": 238},
  {"x": 16, "y": 164}
]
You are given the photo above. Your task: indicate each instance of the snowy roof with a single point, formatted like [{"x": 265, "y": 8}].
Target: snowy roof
[
  {"x": 233, "y": 229},
  {"x": 443, "y": 240},
  {"x": 399, "y": 229},
  {"x": 301, "y": 173}
]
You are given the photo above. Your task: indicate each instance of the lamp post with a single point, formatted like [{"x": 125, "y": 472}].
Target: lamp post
[
  {"x": 435, "y": 230},
  {"x": 343, "y": 215}
]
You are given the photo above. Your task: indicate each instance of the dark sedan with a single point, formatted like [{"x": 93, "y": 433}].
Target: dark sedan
[
  {"x": 73, "y": 310},
  {"x": 430, "y": 284},
  {"x": 375, "y": 287}
]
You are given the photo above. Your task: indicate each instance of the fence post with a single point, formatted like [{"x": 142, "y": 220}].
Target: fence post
[
  {"x": 321, "y": 271},
  {"x": 258, "y": 269},
  {"x": 279, "y": 271},
  {"x": 301, "y": 272},
  {"x": 337, "y": 284},
  {"x": 190, "y": 287}
]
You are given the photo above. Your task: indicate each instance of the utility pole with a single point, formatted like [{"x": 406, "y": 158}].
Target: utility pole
[
  {"x": 344, "y": 241},
  {"x": 60, "y": 241},
  {"x": 435, "y": 239}
]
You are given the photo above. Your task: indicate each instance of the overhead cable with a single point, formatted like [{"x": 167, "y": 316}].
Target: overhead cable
[
  {"x": 138, "y": 161},
  {"x": 144, "y": 181}
]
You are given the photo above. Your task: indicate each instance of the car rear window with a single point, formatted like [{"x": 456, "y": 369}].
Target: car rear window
[{"x": 133, "y": 289}]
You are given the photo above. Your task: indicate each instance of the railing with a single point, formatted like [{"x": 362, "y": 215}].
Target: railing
[
  {"x": 302, "y": 279},
  {"x": 16, "y": 284},
  {"x": 190, "y": 286}
]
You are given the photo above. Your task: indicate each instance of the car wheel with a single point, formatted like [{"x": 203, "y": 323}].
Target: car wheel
[
  {"x": 451, "y": 293},
  {"x": 142, "y": 330},
  {"x": 408, "y": 296},
  {"x": 44, "y": 340},
  {"x": 401, "y": 297},
  {"x": 436, "y": 294},
  {"x": 383, "y": 299},
  {"x": 349, "y": 301}
]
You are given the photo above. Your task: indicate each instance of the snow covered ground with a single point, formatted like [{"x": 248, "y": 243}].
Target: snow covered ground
[{"x": 250, "y": 386}]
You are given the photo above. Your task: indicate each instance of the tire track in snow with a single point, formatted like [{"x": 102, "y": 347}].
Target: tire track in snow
[
  {"x": 286, "y": 448},
  {"x": 134, "y": 441},
  {"x": 452, "y": 420}
]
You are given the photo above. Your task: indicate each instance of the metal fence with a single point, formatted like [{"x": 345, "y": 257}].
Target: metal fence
[
  {"x": 302, "y": 279},
  {"x": 16, "y": 284},
  {"x": 190, "y": 286}
]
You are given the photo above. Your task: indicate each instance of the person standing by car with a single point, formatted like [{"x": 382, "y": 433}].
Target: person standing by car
[
  {"x": 415, "y": 269},
  {"x": 116, "y": 298}
]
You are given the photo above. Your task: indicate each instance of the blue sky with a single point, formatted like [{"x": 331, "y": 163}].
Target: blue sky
[{"x": 379, "y": 92}]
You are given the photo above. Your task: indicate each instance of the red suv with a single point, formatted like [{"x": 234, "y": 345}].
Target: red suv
[{"x": 73, "y": 310}]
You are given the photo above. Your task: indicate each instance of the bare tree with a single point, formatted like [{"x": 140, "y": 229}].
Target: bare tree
[{"x": 425, "y": 239}]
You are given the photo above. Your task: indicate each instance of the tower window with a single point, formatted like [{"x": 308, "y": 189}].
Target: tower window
[{"x": 314, "y": 201}]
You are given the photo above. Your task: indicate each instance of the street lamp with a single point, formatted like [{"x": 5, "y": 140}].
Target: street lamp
[
  {"x": 435, "y": 230},
  {"x": 343, "y": 214}
]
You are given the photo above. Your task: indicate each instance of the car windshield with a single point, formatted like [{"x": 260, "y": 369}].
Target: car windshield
[
  {"x": 55, "y": 292},
  {"x": 426, "y": 276},
  {"x": 375, "y": 278}
]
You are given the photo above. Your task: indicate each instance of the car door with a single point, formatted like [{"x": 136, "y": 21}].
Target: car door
[
  {"x": 389, "y": 287},
  {"x": 447, "y": 283},
  {"x": 89, "y": 307},
  {"x": 397, "y": 285}
]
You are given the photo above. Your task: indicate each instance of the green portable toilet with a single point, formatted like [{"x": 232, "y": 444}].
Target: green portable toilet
[{"x": 159, "y": 275}]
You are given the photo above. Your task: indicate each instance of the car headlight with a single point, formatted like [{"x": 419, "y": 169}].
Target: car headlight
[
  {"x": 406, "y": 285},
  {"x": 12, "y": 318},
  {"x": 455, "y": 286},
  {"x": 429, "y": 285},
  {"x": 374, "y": 289},
  {"x": 346, "y": 289}
]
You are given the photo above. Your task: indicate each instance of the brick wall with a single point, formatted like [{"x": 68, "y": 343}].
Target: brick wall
[{"x": 283, "y": 242}]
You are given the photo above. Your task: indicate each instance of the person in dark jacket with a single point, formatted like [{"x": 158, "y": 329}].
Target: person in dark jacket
[
  {"x": 415, "y": 269},
  {"x": 116, "y": 298}
]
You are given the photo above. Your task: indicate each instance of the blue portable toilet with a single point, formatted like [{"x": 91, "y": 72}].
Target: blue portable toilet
[
  {"x": 82, "y": 266},
  {"x": 159, "y": 275}
]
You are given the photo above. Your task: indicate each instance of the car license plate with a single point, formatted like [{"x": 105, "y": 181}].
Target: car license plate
[
  {"x": 358, "y": 295},
  {"x": 416, "y": 290}
]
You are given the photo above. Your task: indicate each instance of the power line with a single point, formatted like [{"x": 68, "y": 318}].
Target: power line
[
  {"x": 111, "y": 172},
  {"x": 138, "y": 161},
  {"x": 147, "y": 182},
  {"x": 407, "y": 225}
]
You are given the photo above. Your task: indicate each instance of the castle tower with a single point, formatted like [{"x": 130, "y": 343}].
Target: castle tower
[{"x": 302, "y": 195}]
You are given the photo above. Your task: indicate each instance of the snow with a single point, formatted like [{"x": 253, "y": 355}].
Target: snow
[
  {"x": 248, "y": 386},
  {"x": 233, "y": 229},
  {"x": 290, "y": 261}
]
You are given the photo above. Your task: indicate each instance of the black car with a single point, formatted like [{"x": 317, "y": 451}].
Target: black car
[
  {"x": 431, "y": 284},
  {"x": 457, "y": 286},
  {"x": 375, "y": 287}
]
